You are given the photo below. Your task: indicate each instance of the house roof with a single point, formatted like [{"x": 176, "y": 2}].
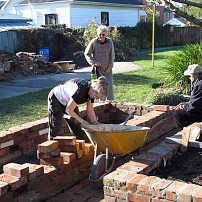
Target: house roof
[
  {"x": 177, "y": 22},
  {"x": 124, "y": 2},
  {"x": 2, "y": 3}
]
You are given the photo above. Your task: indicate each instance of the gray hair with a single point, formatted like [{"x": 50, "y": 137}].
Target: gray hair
[{"x": 102, "y": 28}]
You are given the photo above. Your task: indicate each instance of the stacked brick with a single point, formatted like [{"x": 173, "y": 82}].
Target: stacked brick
[
  {"x": 30, "y": 63},
  {"x": 57, "y": 169},
  {"x": 25, "y": 63}
]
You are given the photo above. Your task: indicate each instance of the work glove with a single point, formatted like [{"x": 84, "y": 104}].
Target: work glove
[
  {"x": 96, "y": 123},
  {"x": 84, "y": 123}
]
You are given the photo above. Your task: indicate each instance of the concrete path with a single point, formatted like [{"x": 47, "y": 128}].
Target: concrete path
[{"x": 13, "y": 88}]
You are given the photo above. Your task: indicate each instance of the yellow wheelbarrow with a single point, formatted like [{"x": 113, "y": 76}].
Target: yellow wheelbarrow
[{"x": 112, "y": 139}]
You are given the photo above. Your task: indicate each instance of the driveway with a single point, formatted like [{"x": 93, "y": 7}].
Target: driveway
[{"x": 14, "y": 88}]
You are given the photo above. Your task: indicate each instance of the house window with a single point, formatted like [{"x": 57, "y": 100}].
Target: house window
[
  {"x": 51, "y": 19},
  {"x": 105, "y": 18},
  {"x": 167, "y": 15}
]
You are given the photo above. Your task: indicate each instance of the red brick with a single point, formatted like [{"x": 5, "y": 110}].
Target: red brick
[
  {"x": 89, "y": 147},
  {"x": 16, "y": 170},
  {"x": 79, "y": 154},
  {"x": 119, "y": 194},
  {"x": 197, "y": 196},
  {"x": 110, "y": 199},
  {"x": 108, "y": 180},
  {"x": 5, "y": 136},
  {"x": 68, "y": 157},
  {"x": 3, "y": 187},
  {"x": 65, "y": 140},
  {"x": 48, "y": 146},
  {"x": 173, "y": 190},
  {"x": 52, "y": 154},
  {"x": 158, "y": 188},
  {"x": 56, "y": 161},
  {"x": 4, "y": 151},
  {"x": 185, "y": 194},
  {"x": 6, "y": 144},
  {"x": 69, "y": 148},
  {"x": 58, "y": 179},
  {"x": 133, "y": 182},
  {"x": 81, "y": 144},
  {"x": 108, "y": 191},
  {"x": 90, "y": 156},
  {"x": 161, "y": 108},
  {"x": 128, "y": 168},
  {"x": 34, "y": 170},
  {"x": 145, "y": 184},
  {"x": 40, "y": 139},
  {"x": 14, "y": 182},
  {"x": 132, "y": 197}
]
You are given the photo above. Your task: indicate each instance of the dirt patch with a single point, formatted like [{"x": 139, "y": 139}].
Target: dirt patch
[{"x": 185, "y": 167}]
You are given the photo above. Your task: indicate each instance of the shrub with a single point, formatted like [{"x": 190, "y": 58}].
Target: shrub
[
  {"x": 166, "y": 97},
  {"x": 177, "y": 64}
]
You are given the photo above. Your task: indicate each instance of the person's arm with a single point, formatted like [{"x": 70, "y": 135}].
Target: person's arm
[
  {"x": 70, "y": 110},
  {"x": 90, "y": 111},
  {"x": 89, "y": 53}
]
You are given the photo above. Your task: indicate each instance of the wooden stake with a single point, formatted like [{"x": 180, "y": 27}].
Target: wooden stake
[{"x": 185, "y": 138}]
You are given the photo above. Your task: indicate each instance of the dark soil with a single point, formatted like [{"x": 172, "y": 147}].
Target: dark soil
[{"x": 186, "y": 167}]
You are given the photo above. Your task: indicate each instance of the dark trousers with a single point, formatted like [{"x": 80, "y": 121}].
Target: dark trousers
[
  {"x": 184, "y": 118},
  {"x": 55, "y": 119}
]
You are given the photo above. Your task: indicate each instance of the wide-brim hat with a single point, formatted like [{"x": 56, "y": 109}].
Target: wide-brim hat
[{"x": 193, "y": 69}]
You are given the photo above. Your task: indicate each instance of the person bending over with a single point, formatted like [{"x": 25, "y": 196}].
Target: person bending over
[{"x": 65, "y": 98}]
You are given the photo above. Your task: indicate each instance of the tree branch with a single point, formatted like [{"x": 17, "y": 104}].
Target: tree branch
[{"x": 180, "y": 13}]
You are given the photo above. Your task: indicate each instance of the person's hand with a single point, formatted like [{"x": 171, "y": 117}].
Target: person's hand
[
  {"x": 84, "y": 123},
  {"x": 98, "y": 64},
  {"x": 96, "y": 123},
  {"x": 107, "y": 71},
  {"x": 180, "y": 106}
]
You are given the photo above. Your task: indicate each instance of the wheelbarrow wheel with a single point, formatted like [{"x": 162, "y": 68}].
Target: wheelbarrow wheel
[{"x": 98, "y": 169}]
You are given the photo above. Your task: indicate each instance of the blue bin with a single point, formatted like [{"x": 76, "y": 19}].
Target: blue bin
[{"x": 45, "y": 52}]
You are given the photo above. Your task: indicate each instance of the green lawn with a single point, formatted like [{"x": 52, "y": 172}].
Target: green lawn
[{"x": 134, "y": 86}]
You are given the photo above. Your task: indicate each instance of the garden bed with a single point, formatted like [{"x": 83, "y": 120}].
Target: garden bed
[{"x": 186, "y": 167}]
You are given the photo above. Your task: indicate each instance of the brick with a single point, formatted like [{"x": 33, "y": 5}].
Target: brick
[
  {"x": 56, "y": 161},
  {"x": 3, "y": 188},
  {"x": 4, "y": 151},
  {"x": 145, "y": 184},
  {"x": 5, "y": 136},
  {"x": 16, "y": 170},
  {"x": 120, "y": 195},
  {"x": 133, "y": 197},
  {"x": 65, "y": 140},
  {"x": 52, "y": 154},
  {"x": 197, "y": 196},
  {"x": 108, "y": 180},
  {"x": 133, "y": 182},
  {"x": 154, "y": 158},
  {"x": 34, "y": 170},
  {"x": 43, "y": 131},
  {"x": 6, "y": 144},
  {"x": 172, "y": 191},
  {"x": 14, "y": 182},
  {"x": 158, "y": 188},
  {"x": 186, "y": 193},
  {"x": 81, "y": 144},
  {"x": 161, "y": 108},
  {"x": 68, "y": 157},
  {"x": 79, "y": 154},
  {"x": 142, "y": 166},
  {"x": 69, "y": 148},
  {"x": 126, "y": 167},
  {"x": 88, "y": 148},
  {"x": 48, "y": 146}
]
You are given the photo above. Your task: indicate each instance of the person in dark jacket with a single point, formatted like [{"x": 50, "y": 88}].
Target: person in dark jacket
[{"x": 189, "y": 112}]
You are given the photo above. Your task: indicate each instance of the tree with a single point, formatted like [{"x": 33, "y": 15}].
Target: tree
[{"x": 191, "y": 10}]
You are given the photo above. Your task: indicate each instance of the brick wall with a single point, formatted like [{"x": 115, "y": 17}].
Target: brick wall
[{"x": 35, "y": 182}]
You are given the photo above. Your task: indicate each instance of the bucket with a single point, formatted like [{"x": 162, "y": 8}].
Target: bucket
[{"x": 45, "y": 52}]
